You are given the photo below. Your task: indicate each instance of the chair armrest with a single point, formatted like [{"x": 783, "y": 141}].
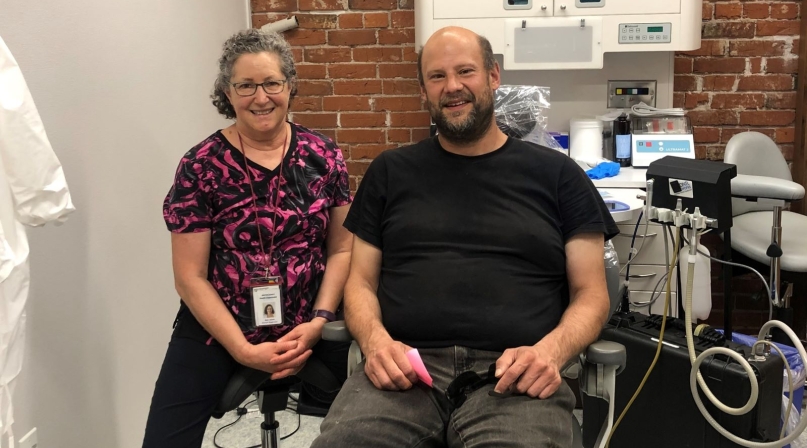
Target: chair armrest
[
  {"x": 607, "y": 353},
  {"x": 749, "y": 186},
  {"x": 336, "y": 331}
]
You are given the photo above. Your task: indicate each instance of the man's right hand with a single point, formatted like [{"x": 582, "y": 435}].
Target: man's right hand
[
  {"x": 281, "y": 359},
  {"x": 387, "y": 366}
]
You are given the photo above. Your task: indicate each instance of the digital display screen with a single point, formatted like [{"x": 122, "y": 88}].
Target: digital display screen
[
  {"x": 655, "y": 29},
  {"x": 518, "y": 2}
]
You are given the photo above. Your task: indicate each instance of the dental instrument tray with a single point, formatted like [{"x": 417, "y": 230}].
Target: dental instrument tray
[{"x": 664, "y": 414}]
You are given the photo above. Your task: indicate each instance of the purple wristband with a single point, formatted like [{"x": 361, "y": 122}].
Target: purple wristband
[{"x": 327, "y": 315}]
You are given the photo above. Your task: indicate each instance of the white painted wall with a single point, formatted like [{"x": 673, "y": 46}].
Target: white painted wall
[{"x": 122, "y": 87}]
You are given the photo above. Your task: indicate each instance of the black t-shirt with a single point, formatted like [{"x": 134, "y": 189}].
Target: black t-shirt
[{"x": 474, "y": 247}]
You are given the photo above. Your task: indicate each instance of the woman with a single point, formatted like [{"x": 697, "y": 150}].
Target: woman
[{"x": 256, "y": 213}]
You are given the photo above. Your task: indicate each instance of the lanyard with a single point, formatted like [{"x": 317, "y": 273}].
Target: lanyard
[{"x": 255, "y": 201}]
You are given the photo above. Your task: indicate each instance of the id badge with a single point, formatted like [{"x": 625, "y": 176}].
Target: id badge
[{"x": 267, "y": 302}]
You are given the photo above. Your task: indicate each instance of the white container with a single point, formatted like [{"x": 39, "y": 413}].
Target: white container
[
  {"x": 702, "y": 286},
  {"x": 585, "y": 138}
]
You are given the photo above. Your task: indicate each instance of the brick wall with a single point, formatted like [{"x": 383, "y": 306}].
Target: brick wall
[
  {"x": 358, "y": 74},
  {"x": 743, "y": 76}
]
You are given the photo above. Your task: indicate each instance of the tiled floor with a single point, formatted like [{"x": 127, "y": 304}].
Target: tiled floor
[{"x": 246, "y": 433}]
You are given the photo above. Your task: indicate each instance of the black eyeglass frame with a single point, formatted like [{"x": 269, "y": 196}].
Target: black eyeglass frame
[{"x": 263, "y": 85}]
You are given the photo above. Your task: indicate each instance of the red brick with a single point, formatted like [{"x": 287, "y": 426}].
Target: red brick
[
  {"x": 396, "y": 36},
  {"x": 398, "y": 103},
  {"x": 409, "y": 54},
  {"x": 358, "y": 152},
  {"x": 778, "y": 28},
  {"x": 399, "y": 135},
  {"x": 795, "y": 48},
  {"x": 765, "y": 82},
  {"x": 420, "y": 134},
  {"x": 372, "y": 4},
  {"x": 757, "y": 48},
  {"x": 685, "y": 83},
  {"x": 785, "y": 10},
  {"x": 788, "y": 151},
  {"x": 362, "y": 87},
  {"x": 694, "y": 100},
  {"x": 306, "y": 104},
  {"x": 785, "y": 135},
  {"x": 409, "y": 119},
  {"x": 756, "y": 10},
  {"x": 678, "y": 99},
  {"x": 274, "y": 5},
  {"x": 297, "y": 54},
  {"x": 359, "y": 136},
  {"x": 401, "y": 87},
  {"x": 406, "y": 4},
  {"x": 728, "y": 10},
  {"x": 314, "y": 88},
  {"x": 330, "y": 133},
  {"x": 357, "y": 168},
  {"x": 715, "y": 152},
  {"x": 738, "y": 100},
  {"x": 755, "y": 65},
  {"x": 259, "y": 20},
  {"x": 706, "y": 135},
  {"x": 323, "y": 5},
  {"x": 354, "y": 184},
  {"x": 312, "y": 71},
  {"x": 351, "y": 37},
  {"x": 408, "y": 70},
  {"x": 719, "y": 65},
  {"x": 303, "y": 37},
  {"x": 709, "y": 47},
  {"x": 780, "y": 100},
  {"x": 327, "y": 55},
  {"x": 728, "y": 133},
  {"x": 315, "y": 120},
  {"x": 767, "y": 117},
  {"x": 729, "y": 29},
  {"x": 351, "y": 71},
  {"x": 403, "y": 19},
  {"x": 782, "y": 65},
  {"x": 362, "y": 120},
  {"x": 718, "y": 83},
  {"x": 683, "y": 65},
  {"x": 377, "y": 54},
  {"x": 707, "y": 13},
  {"x": 317, "y": 21},
  {"x": 342, "y": 103},
  {"x": 712, "y": 117},
  {"x": 376, "y": 20},
  {"x": 351, "y": 20}
]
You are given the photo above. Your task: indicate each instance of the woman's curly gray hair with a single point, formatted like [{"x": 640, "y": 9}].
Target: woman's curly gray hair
[{"x": 246, "y": 42}]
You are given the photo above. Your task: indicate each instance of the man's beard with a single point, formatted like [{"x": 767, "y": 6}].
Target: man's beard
[{"x": 469, "y": 130}]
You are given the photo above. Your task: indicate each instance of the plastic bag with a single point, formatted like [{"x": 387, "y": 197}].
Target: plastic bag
[
  {"x": 611, "y": 258},
  {"x": 522, "y": 112}
]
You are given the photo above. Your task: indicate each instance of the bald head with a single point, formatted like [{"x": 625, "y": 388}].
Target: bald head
[{"x": 462, "y": 37}]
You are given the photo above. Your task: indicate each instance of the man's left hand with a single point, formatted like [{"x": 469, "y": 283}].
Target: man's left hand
[{"x": 532, "y": 370}]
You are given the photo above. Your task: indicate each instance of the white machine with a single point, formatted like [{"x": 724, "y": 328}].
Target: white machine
[
  {"x": 656, "y": 137},
  {"x": 566, "y": 34}
]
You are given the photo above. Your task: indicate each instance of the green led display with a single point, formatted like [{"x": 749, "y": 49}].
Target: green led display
[{"x": 655, "y": 29}]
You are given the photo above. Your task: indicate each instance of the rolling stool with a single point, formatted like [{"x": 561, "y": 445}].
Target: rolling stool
[{"x": 273, "y": 395}]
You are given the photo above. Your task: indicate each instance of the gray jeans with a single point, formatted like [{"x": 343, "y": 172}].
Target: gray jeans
[{"x": 363, "y": 416}]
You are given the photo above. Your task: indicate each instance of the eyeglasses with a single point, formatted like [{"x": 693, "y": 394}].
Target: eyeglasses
[
  {"x": 249, "y": 88},
  {"x": 459, "y": 389}
]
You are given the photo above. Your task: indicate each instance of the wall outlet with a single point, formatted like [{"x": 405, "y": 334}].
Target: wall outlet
[{"x": 29, "y": 440}]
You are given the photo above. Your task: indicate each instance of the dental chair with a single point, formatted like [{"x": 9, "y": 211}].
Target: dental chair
[
  {"x": 596, "y": 368},
  {"x": 763, "y": 234},
  {"x": 273, "y": 395}
]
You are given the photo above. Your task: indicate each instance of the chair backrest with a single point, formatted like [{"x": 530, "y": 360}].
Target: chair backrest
[{"x": 755, "y": 154}]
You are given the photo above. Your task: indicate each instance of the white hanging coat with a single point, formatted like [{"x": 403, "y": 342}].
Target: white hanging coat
[{"x": 33, "y": 192}]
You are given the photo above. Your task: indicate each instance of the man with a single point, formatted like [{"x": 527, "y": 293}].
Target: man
[{"x": 476, "y": 249}]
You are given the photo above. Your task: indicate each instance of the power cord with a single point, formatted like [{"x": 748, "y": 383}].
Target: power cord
[
  {"x": 242, "y": 410},
  {"x": 643, "y": 110}
]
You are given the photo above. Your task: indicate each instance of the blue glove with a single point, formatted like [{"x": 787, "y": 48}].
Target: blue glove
[{"x": 603, "y": 170}]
